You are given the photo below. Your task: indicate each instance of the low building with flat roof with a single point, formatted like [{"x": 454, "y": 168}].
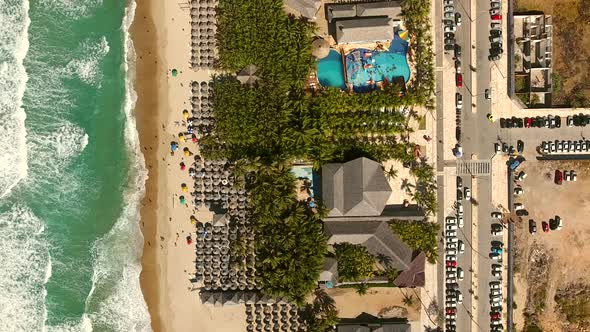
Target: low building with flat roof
[{"x": 364, "y": 30}]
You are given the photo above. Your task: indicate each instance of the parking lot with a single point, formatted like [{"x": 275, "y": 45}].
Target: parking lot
[{"x": 549, "y": 260}]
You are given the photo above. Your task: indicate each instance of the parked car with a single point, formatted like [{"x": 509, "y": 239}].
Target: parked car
[
  {"x": 461, "y": 247},
  {"x": 459, "y": 195},
  {"x": 460, "y": 273},
  {"x": 496, "y": 215},
  {"x": 497, "y": 148},
  {"x": 497, "y": 229},
  {"x": 520, "y": 146},
  {"x": 451, "y": 233},
  {"x": 518, "y": 206},
  {"x": 467, "y": 193},
  {"x": 450, "y": 28},
  {"x": 558, "y": 221},
  {"x": 496, "y": 5},
  {"x": 451, "y": 263},
  {"x": 449, "y": 9},
  {"x": 458, "y": 19},
  {"x": 558, "y": 177},
  {"x": 493, "y": 39},
  {"x": 496, "y": 25},
  {"x": 459, "y": 80},
  {"x": 450, "y": 227},
  {"x": 460, "y": 220},
  {"x": 496, "y": 17},
  {"x": 494, "y": 57},
  {"x": 518, "y": 191},
  {"x": 569, "y": 121},
  {"x": 457, "y": 51},
  {"x": 545, "y": 226},
  {"x": 532, "y": 227},
  {"x": 458, "y": 100}
]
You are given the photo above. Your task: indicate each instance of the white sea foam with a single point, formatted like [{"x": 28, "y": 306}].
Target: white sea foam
[
  {"x": 115, "y": 302},
  {"x": 24, "y": 259},
  {"x": 14, "y": 44},
  {"x": 72, "y": 8},
  {"x": 87, "y": 67}
]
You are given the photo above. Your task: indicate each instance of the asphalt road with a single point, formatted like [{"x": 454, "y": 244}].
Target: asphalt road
[{"x": 477, "y": 142}]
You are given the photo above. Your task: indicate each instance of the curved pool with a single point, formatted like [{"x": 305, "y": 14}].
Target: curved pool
[{"x": 330, "y": 71}]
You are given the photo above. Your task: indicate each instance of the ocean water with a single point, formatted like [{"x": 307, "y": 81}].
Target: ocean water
[{"x": 71, "y": 171}]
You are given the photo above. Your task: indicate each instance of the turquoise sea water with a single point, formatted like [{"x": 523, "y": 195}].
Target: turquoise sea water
[{"x": 71, "y": 174}]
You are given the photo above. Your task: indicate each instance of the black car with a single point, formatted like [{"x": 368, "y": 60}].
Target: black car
[
  {"x": 457, "y": 51},
  {"x": 450, "y": 46},
  {"x": 458, "y": 134},
  {"x": 494, "y": 57},
  {"x": 576, "y": 120},
  {"x": 532, "y": 226},
  {"x": 502, "y": 123},
  {"x": 459, "y": 182},
  {"x": 558, "y": 121},
  {"x": 496, "y": 32},
  {"x": 509, "y": 123},
  {"x": 449, "y": 35},
  {"x": 521, "y": 213},
  {"x": 505, "y": 147},
  {"x": 520, "y": 146}
]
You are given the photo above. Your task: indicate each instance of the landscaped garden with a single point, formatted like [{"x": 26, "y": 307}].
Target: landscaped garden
[{"x": 264, "y": 127}]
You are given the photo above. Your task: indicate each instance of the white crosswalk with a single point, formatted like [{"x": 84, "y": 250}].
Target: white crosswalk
[{"x": 473, "y": 167}]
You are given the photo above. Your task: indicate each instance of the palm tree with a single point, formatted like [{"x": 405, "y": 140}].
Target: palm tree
[
  {"x": 407, "y": 186},
  {"x": 362, "y": 289},
  {"x": 408, "y": 301},
  {"x": 391, "y": 173}
]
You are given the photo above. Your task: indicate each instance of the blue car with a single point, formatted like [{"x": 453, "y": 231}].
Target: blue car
[
  {"x": 496, "y": 250},
  {"x": 514, "y": 164}
]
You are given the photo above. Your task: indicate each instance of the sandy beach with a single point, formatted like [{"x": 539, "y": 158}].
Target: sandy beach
[{"x": 161, "y": 34}]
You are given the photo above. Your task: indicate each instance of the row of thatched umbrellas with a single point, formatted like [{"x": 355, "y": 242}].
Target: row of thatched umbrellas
[
  {"x": 273, "y": 317},
  {"x": 203, "y": 30}
]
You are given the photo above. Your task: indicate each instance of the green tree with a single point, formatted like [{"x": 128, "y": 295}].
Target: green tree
[
  {"x": 321, "y": 315},
  {"x": 420, "y": 235},
  {"x": 355, "y": 263},
  {"x": 362, "y": 288}
]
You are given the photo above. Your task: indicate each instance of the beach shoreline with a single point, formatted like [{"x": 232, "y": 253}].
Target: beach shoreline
[
  {"x": 143, "y": 32},
  {"x": 162, "y": 34}
]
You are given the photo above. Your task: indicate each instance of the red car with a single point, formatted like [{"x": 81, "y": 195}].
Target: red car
[
  {"x": 558, "y": 177},
  {"x": 497, "y": 17},
  {"x": 528, "y": 122},
  {"x": 459, "y": 80},
  {"x": 451, "y": 311},
  {"x": 452, "y": 263},
  {"x": 496, "y": 316},
  {"x": 545, "y": 227}
]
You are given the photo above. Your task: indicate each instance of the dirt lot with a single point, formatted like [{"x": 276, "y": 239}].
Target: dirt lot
[
  {"x": 546, "y": 262},
  {"x": 571, "y": 47},
  {"x": 376, "y": 302}
]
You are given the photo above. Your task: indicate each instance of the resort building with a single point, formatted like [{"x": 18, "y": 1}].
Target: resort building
[
  {"x": 356, "y": 194},
  {"x": 533, "y": 59},
  {"x": 363, "y": 22},
  {"x": 368, "y": 323}
]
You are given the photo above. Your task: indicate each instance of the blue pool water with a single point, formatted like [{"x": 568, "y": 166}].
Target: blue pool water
[
  {"x": 330, "y": 72},
  {"x": 365, "y": 67}
]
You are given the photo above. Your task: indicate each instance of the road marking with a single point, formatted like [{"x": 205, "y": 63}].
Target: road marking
[{"x": 473, "y": 167}]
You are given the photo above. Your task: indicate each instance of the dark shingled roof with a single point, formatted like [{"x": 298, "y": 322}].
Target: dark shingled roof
[
  {"x": 355, "y": 188},
  {"x": 375, "y": 236}
]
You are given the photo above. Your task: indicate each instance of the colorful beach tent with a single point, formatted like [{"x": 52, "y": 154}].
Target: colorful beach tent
[
  {"x": 173, "y": 146},
  {"x": 181, "y": 137},
  {"x": 195, "y": 139},
  {"x": 404, "y": 35},
  {"x": 182, "y": 166},
  {"x": 185, "y": 114},
  {"x": 174, "y": 72},
  {"x": 194, "y": 220},
  {"x": 181, "y": 198},
  {"x": 184, "y": 188}
]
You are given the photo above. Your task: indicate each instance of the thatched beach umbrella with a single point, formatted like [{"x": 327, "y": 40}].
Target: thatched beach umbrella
[{"x": 320, "y": 48}]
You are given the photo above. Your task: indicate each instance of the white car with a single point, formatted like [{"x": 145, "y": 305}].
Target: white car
[
  {"x": 451, "y": 274},
  {"x": 451, "y": 227},
  {"x": 495, "y": 285},
  {"x": 451, "y": 245},
  {"x": 497, "y": 215},
  {"x": 452, "y": 239},
  {"x": 451, "y": 233},
  {"x": 450, "y": 28},
  {"x": 459, "y": 209},
  {"x": 461, "y": 221},
  {"x": 518, "y": 206},
  {"x": 451, "y": 221},
  {"x": 467, "y": 194},
  {"x": 459, "y": 297},
  {"x": 451, "y": 304},
  {"x": 518, "y": 191},
  {"x": 461, "y": 247},
  {"x": 497, "y": 233},
  {"x": 451, "y": 252},
  {"x": 495, "y": 292},
  {"x": 450, "y": 280}
]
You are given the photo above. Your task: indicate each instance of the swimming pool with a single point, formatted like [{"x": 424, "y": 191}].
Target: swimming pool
[
  {"x": 330, "y": 71},
  {"x": 364, "y": 67}
]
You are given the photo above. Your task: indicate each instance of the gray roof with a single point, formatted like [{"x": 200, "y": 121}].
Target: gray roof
[
  {"x": 353, "y": 328},
  {"x": 393, "y": 328},
  {"x": 340, "y": 11},
  {"x": 307, "y": 8},
  {"x": 392, "y": 9},
  {"x": 376, "y": 236},
  {"x": 361, "y": 30},
  {"x": 355, "y": 188},
  {"x": 330, "y": 270}
]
